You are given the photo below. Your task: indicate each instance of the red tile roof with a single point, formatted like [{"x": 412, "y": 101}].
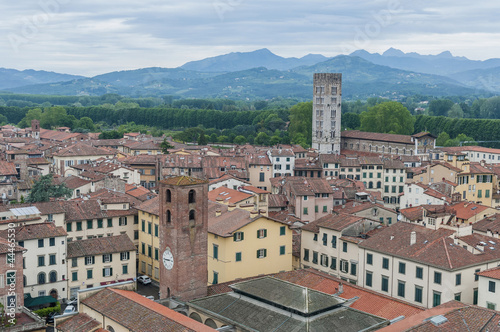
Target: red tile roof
[
  {"x": 404, "y": 139},
  {"x": 140, "y": 314},
  {"x": 183, "y": 181},
  {"x": 491, "y": 223},
  {"x": 228, "y": 195},
  {"x": 330, "y": 221},
  {"x": 493, "y": 273},
  {"x": 151, "y": 206},
  {"x": 78, "y": 323},
  {"x": 81, "y": 149},
  {"x": 7, "y": 168},
  {"x": 36, "y": 231},
  {"x": 100, "y": 246}
]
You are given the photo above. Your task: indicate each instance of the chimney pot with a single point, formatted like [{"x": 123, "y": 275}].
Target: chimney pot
[{"x": 413, "y": 238}]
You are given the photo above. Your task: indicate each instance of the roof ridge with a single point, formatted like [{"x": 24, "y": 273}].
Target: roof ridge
[{"x": 447, "y": 253}]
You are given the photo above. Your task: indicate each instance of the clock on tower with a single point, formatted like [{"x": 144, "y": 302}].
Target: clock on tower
[{"x": 183, "y": 237}]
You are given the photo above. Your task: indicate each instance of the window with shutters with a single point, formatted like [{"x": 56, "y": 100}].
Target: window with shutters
[
  {"x": 261, "y": 233},
  {"x": 306, "y": 255},
  {"x": 107, "y": 272},
  {"x": 261, "y": 253},
  {"x": 344, "y": 266},
  {"x": 324, "y": 260},
  {"x": 106, "y": 258},
  {"x": 238, "y": 236}
]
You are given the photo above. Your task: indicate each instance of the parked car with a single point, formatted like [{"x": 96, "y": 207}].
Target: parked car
[
  {"x": 144, "y": 280},
  {"x": 69, "y": 310},
  {"x": 72, "y": 301}
]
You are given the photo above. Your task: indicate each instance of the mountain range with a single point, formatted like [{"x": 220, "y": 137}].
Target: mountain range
[{"x": 262, "y": 74}]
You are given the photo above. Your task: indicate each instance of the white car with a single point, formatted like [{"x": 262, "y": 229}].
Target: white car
[
  {"x": 69, "y": 310},
  {"x": 144, "y": 280}
]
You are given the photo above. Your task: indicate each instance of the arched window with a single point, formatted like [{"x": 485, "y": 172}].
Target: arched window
[
  {"x": 192, "y": 196},
  {"x": 52, "y": 276},
  {"x": 169, "y": 216},
  {"x": 110, "y": 329},
  {"x": 196, "y": 317},
  {"x": 370, "y": 185},
  {"x": 210, "y": 322},
  {"x": 379, "y": 184},
  {"x": 168, "y": 196},
  {"x": 191, "y": 215},
  {"x": 383, "y": 149},
  {"x": 41, "y": 278}
]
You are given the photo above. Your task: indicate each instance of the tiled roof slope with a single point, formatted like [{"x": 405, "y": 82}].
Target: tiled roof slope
[
  {"x": 36, "y": 231},
  {"x": 432, "y": 247},
  {"x": 151, "y": 206},
  {"x": 330, "y": 221},
  {"x": 493, "y": 273},
  {"x": 140, "y": 314},
  {"x": 100, "y": 246},
  {"x": 78, "y": 323}
]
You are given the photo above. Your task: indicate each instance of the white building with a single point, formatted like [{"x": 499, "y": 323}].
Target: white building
[
  {"x": 489, "y": 288},
  {"x": 283, "y": 161},
  {"x": 416, "y": 194},
  {"x": 44, "y": 261}
]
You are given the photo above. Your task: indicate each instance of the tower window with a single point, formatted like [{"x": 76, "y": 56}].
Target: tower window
[
  {"x": 191, "y": 215},
  {"x": 192, "y": 196},
  {"x": 169, "y": 216},
  {"x": 168, "y": 196}
]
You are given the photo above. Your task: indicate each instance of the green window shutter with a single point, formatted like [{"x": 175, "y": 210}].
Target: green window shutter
[
  {"x": 257, "y": 253},
  {"x": 265, "y": 252},
  {"x": 242, "y": 236},
  {"x": 103, "y": 272},
  {"x": 265, "y": 232},
  {"x": 234, "y": 237},
  {"x": 258, "y": 233},
  {"x": 316, "y": 208},
  {"x": 110, "y": 257},
  {"x": 111, "y": 271}
]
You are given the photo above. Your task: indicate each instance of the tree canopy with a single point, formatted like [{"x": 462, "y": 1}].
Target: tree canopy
[
  {"x": 389, "y": 117},
  {"x": 44, "y": 189}
]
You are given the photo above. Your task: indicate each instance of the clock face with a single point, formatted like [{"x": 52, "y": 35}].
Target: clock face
[{"x": 168, "y": 259}]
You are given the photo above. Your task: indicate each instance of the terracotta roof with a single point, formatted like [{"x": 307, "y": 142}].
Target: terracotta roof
[
  {"x": 491, "y": 223},
  {"x": 78, "y": 323},
  {"x": 7, "y": 168},
  {"x": 140, "y": 314},
  {"x": 468, "y": 318},
  {"x": 36, "y": 231},
  {"x": 226, "y": 177},
  {"x": 432, "y": 247},
  {"x": 404, "y": 139},
  {"x": 6, "y": 248},
  {"x": 471, "y": 148},
  {"x": 100, "y": 246},
  {"x": 302, "y": 186},
  {"x": 72, "y": 182},
  {"x": 355, "y": 207},
  {"x": 282, "y": 153},
  {"x": 277, "y": 201},
  {"x": 413, "y": 213},
  {"x": 336, "y": 222},
  {"x": 81, "y": 149},
  {"x": 228, "y": 222},
  {"x": 466, "y": 210},
  {"x": 255, "y": 190},
  {"x": 493, "y": 273},
  {"x": 228, "y": 195},
  {"x": 151, "y": 206},
  {"x": 183, "y": 181},
  {"x": 422, "y": 134},
  {"x": 258, "y": 159},
  {"x": 306, "y": 164},
  {"x": 38, "y": 161}
]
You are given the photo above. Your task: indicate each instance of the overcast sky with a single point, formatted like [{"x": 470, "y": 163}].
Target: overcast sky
[{"x": 93, "y": 37}]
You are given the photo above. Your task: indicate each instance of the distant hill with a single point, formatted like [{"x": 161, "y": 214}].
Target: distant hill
[
  {"x": 485, "y": 79},
  {"x": 361, "y": 79},
  {"x": 238, "y": 61},
  {"x": 442, "y": 64},
  {"x": 11, "y": 78}
]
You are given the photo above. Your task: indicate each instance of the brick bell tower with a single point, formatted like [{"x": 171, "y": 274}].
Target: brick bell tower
[{"x": 183, "y": 237}]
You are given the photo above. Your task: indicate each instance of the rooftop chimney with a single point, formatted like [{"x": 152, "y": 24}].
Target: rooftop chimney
[
  {"x": 231, "y": 207},
  {"x": 218, "y": 213},
  {"x": 413, "y": 238}
]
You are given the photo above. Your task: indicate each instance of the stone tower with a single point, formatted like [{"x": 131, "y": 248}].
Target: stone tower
[
  {"x": 327, "y": 99},
  {"x": 35, "y": 129},
  {"x": 183, "y": 207}
]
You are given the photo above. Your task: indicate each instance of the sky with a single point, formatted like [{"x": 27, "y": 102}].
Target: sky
[{"x": 94, "y": 37}]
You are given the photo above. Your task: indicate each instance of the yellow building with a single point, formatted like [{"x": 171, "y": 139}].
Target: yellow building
[
  {"x": 149, "y": 241},
  {"x": 243, "y": 244},
  {"x": 476, "y": 183}
]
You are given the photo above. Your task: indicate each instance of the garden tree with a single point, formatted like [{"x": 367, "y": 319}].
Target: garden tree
[
  {"x": 33, "y": 114},
  {"x": 456, "y": 112},
  {"x": 189, "y": 135},
  {"x": 274, "y": 140},
  {"x": 300, "y": 140},
  {"x": 202, "y": 139},
  {"x": 213, "y": 137},
  {"x": 3, "y": 120},
  {"x": 475, "y": 109},
  {"x": 301, "y": 123},
  {"x": 222, "y": 139},
  {"x": 388, "y": 117},
  {"x": 240, "y": 140},
  {"x": 262, "y": 139},
  {"x": 44, "y": 189},
  {"x": 86, "y": 123},
  {"x": 111, "y": 134},
  {"x": 442, "y": 138},
  {"x": 165, "y": 146},
  {"x": 440, "y": 106},
  {"x": 350, "y": 121},
  {"x": 460, "y": 138},
  {"x": 490, "y": 109}
]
